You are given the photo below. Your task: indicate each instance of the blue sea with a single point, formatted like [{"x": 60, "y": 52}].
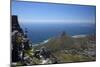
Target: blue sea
[{"x": 40, "y": 32}]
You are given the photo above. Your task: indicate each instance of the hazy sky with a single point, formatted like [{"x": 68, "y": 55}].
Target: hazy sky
[{"x": 30, "y": 12}]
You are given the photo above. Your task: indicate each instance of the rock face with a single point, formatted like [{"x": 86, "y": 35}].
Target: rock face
[
  {"x": 45, "y": 56},
  {"x": 15, "y": 27},
  {"x": 15, "y": 24},
  {"x": 20, "y": 42}
]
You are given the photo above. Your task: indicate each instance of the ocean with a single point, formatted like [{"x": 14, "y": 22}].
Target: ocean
[{"x": 39, "y": 32}]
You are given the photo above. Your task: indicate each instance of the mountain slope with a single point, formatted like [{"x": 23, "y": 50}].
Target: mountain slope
[{"x": 61, "y": 42}]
